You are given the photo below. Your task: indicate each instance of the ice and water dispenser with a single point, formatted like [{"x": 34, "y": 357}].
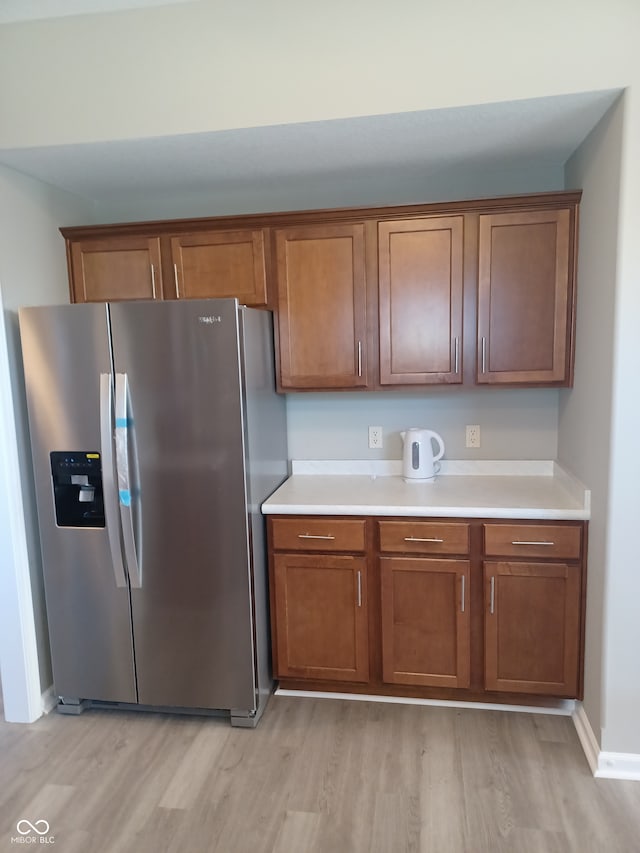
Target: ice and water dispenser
[{"x": 77, "y": 489}]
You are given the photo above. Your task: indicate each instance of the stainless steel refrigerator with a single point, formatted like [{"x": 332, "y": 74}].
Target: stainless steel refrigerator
[{"x": 156, "y": 434}]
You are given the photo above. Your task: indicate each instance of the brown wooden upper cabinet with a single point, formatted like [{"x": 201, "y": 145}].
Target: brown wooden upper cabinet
[
  {"x": 420, "y": 279},
  {"x": 478, "y": 292},
  {"x": 525, "y": 297},
  {"x": 468, "y": 292},
  {"x": 192, "y": 265},
  {"x": 115, "y": 268},
  {"x": 220, "y": 263},
  {"x": 322, "y": 306}
]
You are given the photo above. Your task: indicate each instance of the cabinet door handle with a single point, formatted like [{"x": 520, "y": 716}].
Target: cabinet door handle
[
  {"x": 493, "y": 596},
  {"x": 359, "y": 358},
  {"x": 524, "y": 542},
  {"x": 314, "y": 536},
  {"x": 153, "y": 281},
  {"x": 484, "y": 354},
  {"x": 420, "y": 539},
  {"x": 462, "y": 595},
  {"x": 457, "y": 354},
  {"x": 175, "y": 278},
  {"x": 359, "y": 588}
]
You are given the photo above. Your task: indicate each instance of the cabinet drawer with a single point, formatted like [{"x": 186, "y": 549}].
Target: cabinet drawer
[
  {"x": 318, "y": 534},
  {"x": 424, "y": 537},
  {"x": 533, "y": 540}
]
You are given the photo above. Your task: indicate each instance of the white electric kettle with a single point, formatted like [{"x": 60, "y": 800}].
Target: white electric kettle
[{"x": 419, "y": 464}]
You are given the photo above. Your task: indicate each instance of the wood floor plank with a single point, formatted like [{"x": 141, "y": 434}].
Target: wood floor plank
[
  {"x": 123, "y": 777},
  {"x": 441, "y": 786},
  {"x": 316, "y": 776},
  {"x": 524, "y": 771},
  {"x": 299, "y": 831},
  {"x": 50, "y": 800},
  {"x": 197, "y": 765}
]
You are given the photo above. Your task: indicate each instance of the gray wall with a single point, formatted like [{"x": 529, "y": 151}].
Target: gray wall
[
  {"x": 32, "y": 271},
  {"x": 391, "y": 186},
  {"x": 584, "y": 441},
  {"x": 514, "y": 424},
  {"x": 620, "y": 730}
]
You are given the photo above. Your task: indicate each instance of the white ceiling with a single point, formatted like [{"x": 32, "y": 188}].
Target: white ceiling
[{"x": 517, "y": 134}]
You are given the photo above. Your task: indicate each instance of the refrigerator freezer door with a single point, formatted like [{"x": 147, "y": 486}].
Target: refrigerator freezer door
[
  {"x": 65, "y": 351},
  {"x": 192, "y": 615}
]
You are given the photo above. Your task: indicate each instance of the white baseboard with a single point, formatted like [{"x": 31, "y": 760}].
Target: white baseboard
[
  {"x": 604, "y": 765},
  {"x": 561, "y": 707},
  {"x": 619, "y": 765},
  {"x": 587, "y": 738},
  {"x": 49, "y": 700}
]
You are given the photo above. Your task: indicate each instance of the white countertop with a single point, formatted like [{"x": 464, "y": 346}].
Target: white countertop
[{"x": 537, "y": 490}]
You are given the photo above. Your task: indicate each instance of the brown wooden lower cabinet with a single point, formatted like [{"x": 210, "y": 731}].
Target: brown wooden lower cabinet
[
  {"x": 532, "y": 627},
  {"x": 477, "y": 609},
  {"x": 321, "y": 616},
  {"x": 425, "y": 621}
]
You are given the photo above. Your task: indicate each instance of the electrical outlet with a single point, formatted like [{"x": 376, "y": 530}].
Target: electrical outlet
[
  {"x": 375, "y": 437},
  {"x": 473, "y": 435}
]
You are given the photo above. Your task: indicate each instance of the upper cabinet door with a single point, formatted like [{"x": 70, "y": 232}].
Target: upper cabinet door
[
  {"x": 115, "y": 268},
  {"x": 420, "y": 286},
  {"x": 525, "y": 297},
  {"x": 322, "y": 306},
  {"x": 220, "y": 263}
]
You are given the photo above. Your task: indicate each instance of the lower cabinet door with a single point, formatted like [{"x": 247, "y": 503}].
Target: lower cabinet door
[
  {"x": 532, "y": 627},
  {"x": 425, "y": 621},
  {"x": 320, "y": 620}
]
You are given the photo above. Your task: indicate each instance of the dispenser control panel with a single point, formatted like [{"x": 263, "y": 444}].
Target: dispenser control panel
[{"x": 77, "y": 488}]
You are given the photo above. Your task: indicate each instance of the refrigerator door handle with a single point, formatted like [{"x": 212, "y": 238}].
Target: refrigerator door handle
[
  {"x": 124, "y": 486},
  {"x": 108, "y": 479}
]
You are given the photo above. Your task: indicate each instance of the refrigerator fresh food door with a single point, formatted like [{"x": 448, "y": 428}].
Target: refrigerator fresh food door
[
  {"x": 69, "y": 391},
  {"x": 181, "y": 477}
]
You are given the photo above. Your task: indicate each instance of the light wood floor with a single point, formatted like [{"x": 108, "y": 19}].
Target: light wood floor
[{"x": 316, "y": 776}]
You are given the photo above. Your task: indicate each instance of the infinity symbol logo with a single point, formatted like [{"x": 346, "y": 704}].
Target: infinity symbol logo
[{"x": 41, "y": 827}]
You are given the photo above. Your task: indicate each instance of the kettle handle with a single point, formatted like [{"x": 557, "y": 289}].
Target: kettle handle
[{"x": 439, "y": 442}]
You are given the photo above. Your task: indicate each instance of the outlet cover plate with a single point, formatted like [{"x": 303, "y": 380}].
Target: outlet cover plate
[
  {"x": 473, "y": 435},
  {"x": 375, "y": 437}
]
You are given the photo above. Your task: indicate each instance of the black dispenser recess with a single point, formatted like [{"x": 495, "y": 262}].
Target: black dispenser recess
[{"x": 77, "y": 488}]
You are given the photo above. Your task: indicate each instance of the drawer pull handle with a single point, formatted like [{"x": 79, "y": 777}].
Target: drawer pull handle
[
  {"x": 493, "y": 595},
  {"x": 419, "y": 539},
  {"x": 175, "y": 278},
  {"x": 524, "y": 542},
  {"x": 359, "y": 589},
  {"x": 462, "y": 595},
  {"x": 314, "y": 536}
]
